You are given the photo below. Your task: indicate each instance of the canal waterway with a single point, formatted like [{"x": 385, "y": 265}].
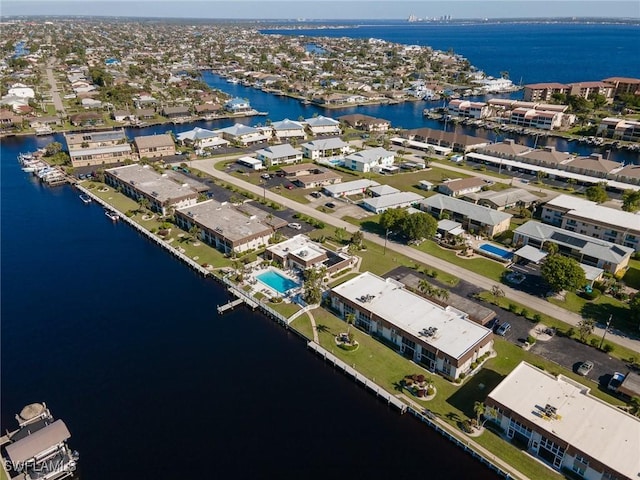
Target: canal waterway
[{"x": 123, "y": 342}]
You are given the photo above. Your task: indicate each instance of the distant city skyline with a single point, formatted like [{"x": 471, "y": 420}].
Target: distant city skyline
[{"x": 326, "y": 9}]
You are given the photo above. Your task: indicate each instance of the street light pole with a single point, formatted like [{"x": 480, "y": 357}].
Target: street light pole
[
  {"x": 386, "y": 236},
  {"x": 605, "y": 332}
]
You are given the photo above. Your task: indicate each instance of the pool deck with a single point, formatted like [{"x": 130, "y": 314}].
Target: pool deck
[{"x": 260, "y": 286}]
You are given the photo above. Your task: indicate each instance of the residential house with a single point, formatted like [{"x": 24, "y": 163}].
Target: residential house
[
  {"x": 153, "y": 146},
  {"x": 98, "y": 148},
  {"x": 619, "y": 128},
  {"x": 238, "y": 106},
  {"x": 468, "y": 109},
  {"x": 504, "y": 199},
  {"x": 556, "y": 420},
  {"x": 321, "y": 125},
  {"x": 121, "y": 115},
  {"x": 279, "y": 154},
  {"x": 326, "y": 150},
  {"x": 462, "y": 186},
  {"x": 365, "y": 122},
  {"x": 597, "y": 221},
  {"x": 287, "y": 129},
  {"x": 349, "y": 188},
  {"x": 176, "y": 113},
  {"x": 301, "y": 253},
  {"x": 242, "y": 134},
  {"x": 383, "y": 203},
  {"x": 161, "y": 191},
  {"x": 371, "y": 160},
  {"x": 442, "y": 339},
  {"x": 86, "y": 119},
  {"x": 474, "y": 218},
  {"x": 202, "y": 139},
  {"x": 588, "y": 250}
]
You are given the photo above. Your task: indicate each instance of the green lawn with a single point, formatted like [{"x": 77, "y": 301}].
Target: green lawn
[
  {"x": 473, "y": 170},
  {"x": 599, "y": 309},
  {"x": 632, "y": 276},
  {"x": 286, "y": 309},
  {"x": 480, "y": 265},
  {"x": 453, "y": 403}
]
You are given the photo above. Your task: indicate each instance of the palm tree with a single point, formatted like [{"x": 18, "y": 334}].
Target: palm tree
[
  {"x": 425, "y": 287},
  {"x": 195, "y": 232},
  {"x": 350, "y": 318},
  {"x": 497, "y": 292},
  {"x": 479, "y": 409},
  {"x": 443, "y": 294}
]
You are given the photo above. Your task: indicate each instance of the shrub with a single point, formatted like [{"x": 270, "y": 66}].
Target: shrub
[
  {"x": 461, "y": 376},
  {"x": 592, "y": 295},
  {"x": 608, "y": 348},
  {"x": 570, "y": 332},
  {"x": 524, "y": 312},
  {"x": 431, "y": 390},
  {"x": 474, "y": 365},
  {"x": 466, "y": 426},
  {"x": 531, "y": 340},
  {"x": 433, "y": 274},
  {"x": 537, "y": 318},
  {"x": 513, "y": 307},
  {"x": 420, "y": 378},
  {"x": 593, "y": 342}
]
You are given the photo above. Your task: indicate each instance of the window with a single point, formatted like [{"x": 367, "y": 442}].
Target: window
[{"x": 580, "y": 465}]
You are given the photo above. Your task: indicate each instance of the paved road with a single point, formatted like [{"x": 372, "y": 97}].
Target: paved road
[
  {"x": 55, "y": 93},
  {"x": 530, "y": 301}
]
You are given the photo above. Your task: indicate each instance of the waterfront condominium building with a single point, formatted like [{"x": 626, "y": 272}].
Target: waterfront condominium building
[
  {"x": 442, "y": 339},
  {"x": 225, "y": 226},
  {"x": 597, "y": 221},
  {"x": 321, "y": 125},
  {"x": 98, "y": 148},
  {"x": 162, "y": 191},
  {"x": 557, "y": 420}
]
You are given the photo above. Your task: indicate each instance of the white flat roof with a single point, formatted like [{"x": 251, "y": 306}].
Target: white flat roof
[
  {"x": 339, "y": 188},
  {"x": 412, "y": 313},
  {"x": 300, "y": 246},
  {"x": 592, "y": 426},
  {"x": 588, "y": 210},
  {"x": 422, "y": 145}
]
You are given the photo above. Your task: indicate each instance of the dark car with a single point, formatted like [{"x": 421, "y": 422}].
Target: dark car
[
  {"x": 330, "y": 205},
  {"x": 315, "y": 194}
]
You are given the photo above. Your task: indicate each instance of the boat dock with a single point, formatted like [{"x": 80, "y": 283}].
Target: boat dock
[
  {"x": 229, "y": 306},
  {"x": 240, "y": 299}
]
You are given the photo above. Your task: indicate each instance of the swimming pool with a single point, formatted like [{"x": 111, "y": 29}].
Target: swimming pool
[
  {"x": 495, "y": 251},
  {"x": 280, "y": 283}
]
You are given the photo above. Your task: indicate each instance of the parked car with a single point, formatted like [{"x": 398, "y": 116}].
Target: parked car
[
  {"x": 266, "y": 176},
  {"x": 615, "y": 381},
  {"x": 503, "y": 329},
  {"x": 585, "y": 367},
  {"x": 295, "y": 226},
  {"x": 315, "y": 194},
  {"x": 290, "y": 186},
  {"x": 330, "y": 205}
]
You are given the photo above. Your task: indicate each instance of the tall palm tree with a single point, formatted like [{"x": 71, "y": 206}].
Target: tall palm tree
[
  {"x": 479, "y": 409},
  {"x": 350, "y": 318}
]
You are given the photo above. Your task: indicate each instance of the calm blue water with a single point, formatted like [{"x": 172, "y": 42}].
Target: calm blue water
[
  {"x": 123, "y": 342},
  {"x": 276, "y": 281},
  {"x": 497, "y": 251},
  {"x": 533, "y": 52}
]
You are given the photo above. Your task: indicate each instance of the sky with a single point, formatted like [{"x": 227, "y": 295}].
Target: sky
[{"x": 326, "y": 9}]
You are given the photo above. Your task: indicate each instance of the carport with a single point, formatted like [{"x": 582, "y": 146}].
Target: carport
[{"x": 530, "y": 254}]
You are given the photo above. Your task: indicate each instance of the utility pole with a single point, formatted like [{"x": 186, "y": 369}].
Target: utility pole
[
  {"x": 605, "y": 332},
  {"x": 386, "y": 236}
]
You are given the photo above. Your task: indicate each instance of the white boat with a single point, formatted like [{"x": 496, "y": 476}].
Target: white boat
[
  {"x": 44, "y": 130},
  {"x": 85, "y": 198},
  {"x": 112, "y": 215}
]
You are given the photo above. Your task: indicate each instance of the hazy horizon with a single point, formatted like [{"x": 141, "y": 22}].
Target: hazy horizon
[{"x": 324, "y": 9}]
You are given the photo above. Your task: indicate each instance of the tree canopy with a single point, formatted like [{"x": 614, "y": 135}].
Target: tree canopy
[
  {"x": 631, "y": 200},
  {"x": 597, "y": 193},
  {"x": 411, "y": 226},
  {"x": 562, "y": 273}
]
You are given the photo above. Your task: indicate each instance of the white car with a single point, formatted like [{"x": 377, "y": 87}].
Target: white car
[
  {"x": 266, "y": 176},
  {"x": 295, "y": 226}
]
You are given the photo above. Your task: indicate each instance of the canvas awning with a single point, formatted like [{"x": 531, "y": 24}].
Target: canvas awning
[{"x": 38, "y": 442}]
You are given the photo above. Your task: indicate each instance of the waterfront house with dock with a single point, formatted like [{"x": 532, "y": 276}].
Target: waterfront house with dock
[
  {"x": 557, "y": 420},
  {"x": 442, "y": 339},
  {"x": 225, "y": 226},
  {"x": 161, "y": 191},
  {"x": 98, "y": 148}
]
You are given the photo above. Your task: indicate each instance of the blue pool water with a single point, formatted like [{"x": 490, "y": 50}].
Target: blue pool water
[
  {"x": 496, "y": 251},
  {"x": 277, "y": 282}
]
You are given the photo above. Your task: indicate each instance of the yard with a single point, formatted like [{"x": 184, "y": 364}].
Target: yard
[{"x": 453, "y": 403}]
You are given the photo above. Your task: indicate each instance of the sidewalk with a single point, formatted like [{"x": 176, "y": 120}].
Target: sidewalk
[{"x": 530, "y": 301}]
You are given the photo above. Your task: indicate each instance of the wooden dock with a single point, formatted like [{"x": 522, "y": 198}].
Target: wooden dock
[{"x": 228, "y": 306}]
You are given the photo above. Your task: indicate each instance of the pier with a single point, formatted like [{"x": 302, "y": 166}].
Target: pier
[{"x": 229, "y": 306}]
